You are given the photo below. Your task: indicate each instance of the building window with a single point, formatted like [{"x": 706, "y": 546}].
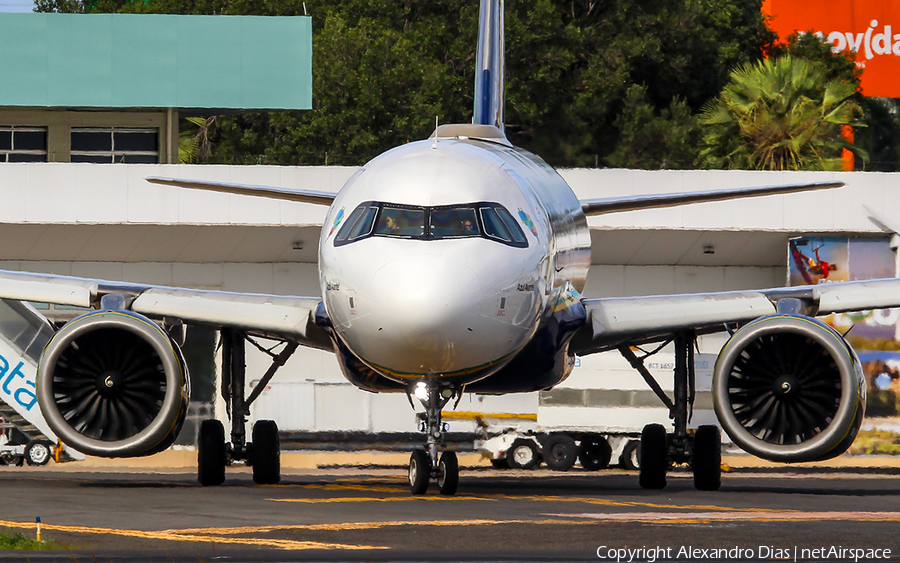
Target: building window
[
  {"x": 107, "y": 145},
  {"x": 23, "y": 144}
]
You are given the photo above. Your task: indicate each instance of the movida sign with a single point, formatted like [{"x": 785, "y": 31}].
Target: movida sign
[{"x": 868, "y": 28}]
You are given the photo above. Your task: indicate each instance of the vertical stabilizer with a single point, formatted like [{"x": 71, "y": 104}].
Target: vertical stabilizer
[{"x": 489, "y": 69}]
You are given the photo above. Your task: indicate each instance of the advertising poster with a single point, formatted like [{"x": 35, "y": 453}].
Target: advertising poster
[
  {"x": 874, "y": 333},
  {"x": 870, "y": 29}
]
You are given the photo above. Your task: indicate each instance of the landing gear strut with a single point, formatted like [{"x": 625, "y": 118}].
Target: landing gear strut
[
  {"x": 428, "y": 463},
  {"x": 659, "y": 450},
  {"x": 263, "y": 453}
]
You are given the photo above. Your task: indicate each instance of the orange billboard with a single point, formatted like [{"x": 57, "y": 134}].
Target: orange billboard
[{"x": 868, "y": 28}]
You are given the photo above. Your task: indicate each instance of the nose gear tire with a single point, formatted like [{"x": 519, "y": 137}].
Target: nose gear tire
[
  {"x": 419, "y": 472},
  {"x": 448, "y": 473}
]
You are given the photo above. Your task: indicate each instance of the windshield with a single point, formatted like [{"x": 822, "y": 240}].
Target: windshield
[
  {"x": 487, "y": 220},
  {"x": 401, "y": 222},
  {"x": 455, "y": 222}
]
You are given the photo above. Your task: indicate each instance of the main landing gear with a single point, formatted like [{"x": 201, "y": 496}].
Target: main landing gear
[
  {"x": 263, "y": 452},
  {"x": 429, "y": 463},
  {"x": 659, "y": 449}
]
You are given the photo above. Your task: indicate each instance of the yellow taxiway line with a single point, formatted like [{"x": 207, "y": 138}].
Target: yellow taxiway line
[{"x": 176, "y": 535}]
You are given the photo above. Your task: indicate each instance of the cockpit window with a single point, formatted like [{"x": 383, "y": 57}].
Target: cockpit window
[
  {"x": 358, "y": 225},
  {"x": 493, "y": 226},
  {"x": 453, "y": 222},
  {"x": 511, "y": 224},
  {"x": 487, "y": 220},
  {"x": 401, "y": 222}
]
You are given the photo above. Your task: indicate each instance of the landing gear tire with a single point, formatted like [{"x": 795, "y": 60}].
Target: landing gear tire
[
  {"x": 560, "y": 452},
  {"x": 38, "y": 452},
  {"x": 523, "y": 454},
  {"x": 594, "y": 453},
  {"x": 419, "y": 472},
  {"x": 211, "y": 453},
  {"x": 448, "y": 473},
  {"x": 631, "y": 455},
  {"x": 654, "y": 450},
  {"x": 266, "y": 453},
  {"x": 707, "y": 459},
  {"x": 499, "y": 464}
]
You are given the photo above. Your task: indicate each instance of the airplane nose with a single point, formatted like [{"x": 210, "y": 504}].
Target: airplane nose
[{"x": 429, "y": 309}]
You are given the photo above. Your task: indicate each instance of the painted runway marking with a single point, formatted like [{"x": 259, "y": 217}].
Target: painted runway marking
[
  {"x": 226, "y": 535},
  {"x": 487, "y": 497},
  {"x": 566, "y": 520},
  {"x": 175, "y": 535},
  {"x": 371, "y": 499},
  {"x": 340, "y": 527},
  {"x": 738, "y": 516}
]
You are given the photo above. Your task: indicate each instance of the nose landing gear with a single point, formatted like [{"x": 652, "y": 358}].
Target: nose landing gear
[{"x": 429, "y": 463}]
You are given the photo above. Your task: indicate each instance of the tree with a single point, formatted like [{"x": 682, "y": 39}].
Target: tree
[
  {"x": 651, "y": 138},
  {"x": 779, "y": 114}
]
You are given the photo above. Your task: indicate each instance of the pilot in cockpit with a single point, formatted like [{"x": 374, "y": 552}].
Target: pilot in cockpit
[{"x": 390, "y": 227}]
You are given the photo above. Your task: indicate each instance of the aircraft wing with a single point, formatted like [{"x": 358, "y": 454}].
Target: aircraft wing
[
  {"x": 632, "y": 320},
  {"x": 291, "y": 318},
  {"x": 288, "y": 194},
  {"x": 650, "y": 201}
]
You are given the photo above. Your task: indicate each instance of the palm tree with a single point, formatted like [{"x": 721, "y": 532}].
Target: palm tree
[
  {"x": 194, "y": 146},
  {"x": 779, "y": 114}
]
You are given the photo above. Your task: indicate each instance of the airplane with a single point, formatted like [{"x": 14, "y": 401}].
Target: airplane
[{"x": 453, "y": 265}]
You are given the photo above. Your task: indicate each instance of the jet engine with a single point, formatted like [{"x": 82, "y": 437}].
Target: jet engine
[
  {"x": 113, "y": 384},
  {"x": 789, "y": 388}
]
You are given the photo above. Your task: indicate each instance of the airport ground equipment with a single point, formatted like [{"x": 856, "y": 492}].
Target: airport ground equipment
[
  {"x": 24, "y": 333},
  {"x": 560, "y": 449}
]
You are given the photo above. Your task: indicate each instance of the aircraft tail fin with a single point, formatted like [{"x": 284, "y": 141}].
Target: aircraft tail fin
[{"x": 489, "y": 68}]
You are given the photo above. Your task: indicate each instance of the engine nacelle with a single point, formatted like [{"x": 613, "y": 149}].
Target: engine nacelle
[
  {"x": 113, "y": 384},
  {"x": 789, "y": 388}
]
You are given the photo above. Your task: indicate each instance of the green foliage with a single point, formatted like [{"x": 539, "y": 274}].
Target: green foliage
[
  {"x": 779, "y": 114},
  {"x": 881, "y": 137},
  {"x": 18, "y": 540},
  {"x": 654, "y": 139},
  {"x": 838, "y": 66},
  {"x": 573, "y": 69},
  {"x": 865, "y": 343},
  {"x": 876, "y": 442}
]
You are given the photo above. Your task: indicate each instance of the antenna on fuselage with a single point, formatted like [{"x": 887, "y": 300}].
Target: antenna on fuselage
[
  {"x": 489, "y": 67},
  {"x": 434, "y": 146}
]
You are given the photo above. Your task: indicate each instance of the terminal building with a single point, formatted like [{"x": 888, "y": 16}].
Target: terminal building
[{"x": 78, "y": 140}]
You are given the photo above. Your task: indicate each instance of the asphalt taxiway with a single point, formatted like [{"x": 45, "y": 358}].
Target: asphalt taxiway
[{"x": 367, "y": 514}]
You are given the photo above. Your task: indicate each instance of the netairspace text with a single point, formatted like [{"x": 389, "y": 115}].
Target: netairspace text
[{"x": 646, "y": 554}]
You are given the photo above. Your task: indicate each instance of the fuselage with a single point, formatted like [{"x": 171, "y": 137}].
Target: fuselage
[{"x": 444, "y": 259}]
